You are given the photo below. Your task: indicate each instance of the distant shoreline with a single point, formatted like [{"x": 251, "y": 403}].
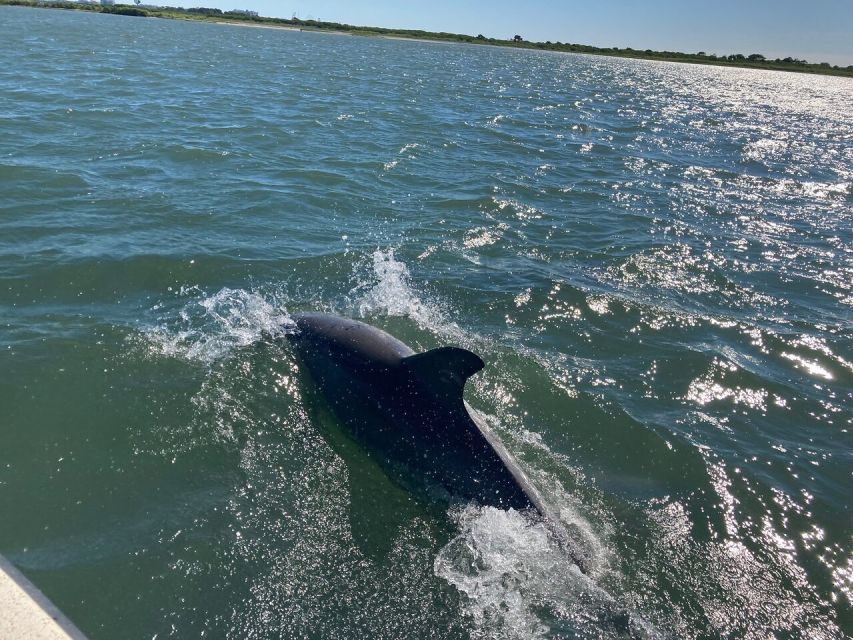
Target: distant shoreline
[
  {"x": 249, "y": 19},
  {"x": 271, "y": 26}
]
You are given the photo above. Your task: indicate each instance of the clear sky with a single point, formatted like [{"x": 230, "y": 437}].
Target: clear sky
[{"x": 817, "y": 30}]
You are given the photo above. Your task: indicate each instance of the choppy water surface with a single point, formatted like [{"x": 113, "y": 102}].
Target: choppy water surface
[{"x": 654, "y": 260}]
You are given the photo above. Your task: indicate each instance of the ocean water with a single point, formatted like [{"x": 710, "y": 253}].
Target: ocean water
[{"x": 653, "y": 259}]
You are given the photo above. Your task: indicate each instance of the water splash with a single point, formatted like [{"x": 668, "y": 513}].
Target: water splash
[
  {"x": 389, "y": 291},
  {"x": 518, "y": 583},
  {"x": 211, "y": 327}
]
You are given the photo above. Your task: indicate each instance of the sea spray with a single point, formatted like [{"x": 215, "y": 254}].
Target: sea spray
[
  {"x": 208, "y": 328},
  {"x": 388, "y": 290},
  {"x": 518, "y": 583}
]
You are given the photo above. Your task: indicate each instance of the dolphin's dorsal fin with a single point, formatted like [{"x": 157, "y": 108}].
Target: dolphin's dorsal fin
[{"x": 444, "y": 370}]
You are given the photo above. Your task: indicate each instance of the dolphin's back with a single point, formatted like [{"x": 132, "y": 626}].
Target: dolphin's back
[
  {"x": 351, "y": 339},
  {"x": 362, "y": 370}
]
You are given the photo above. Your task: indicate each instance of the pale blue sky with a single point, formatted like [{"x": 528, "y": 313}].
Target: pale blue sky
[{"x": 818, "y": 30}]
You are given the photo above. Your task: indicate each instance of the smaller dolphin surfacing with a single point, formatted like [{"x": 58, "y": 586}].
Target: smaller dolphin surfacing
[{"x": 418, "y": 418}]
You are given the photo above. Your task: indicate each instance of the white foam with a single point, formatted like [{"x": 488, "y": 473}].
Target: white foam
[
  {"x": 518, "y": 583},
  {"x": 210, "y": 327}
]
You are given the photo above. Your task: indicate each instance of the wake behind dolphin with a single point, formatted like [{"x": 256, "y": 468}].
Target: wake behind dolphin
[{"x": 418, "y": 417}]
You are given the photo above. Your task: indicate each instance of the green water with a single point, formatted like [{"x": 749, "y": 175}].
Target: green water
[{"x": 654, "y": 260}]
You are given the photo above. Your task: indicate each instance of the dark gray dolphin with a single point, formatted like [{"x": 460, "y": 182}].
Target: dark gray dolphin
[{"x": 422, "y": 422}]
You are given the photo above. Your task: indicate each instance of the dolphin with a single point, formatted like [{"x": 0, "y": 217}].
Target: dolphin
[{"x": 419, "y": 420}]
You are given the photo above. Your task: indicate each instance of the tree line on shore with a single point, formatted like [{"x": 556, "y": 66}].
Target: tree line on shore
[{"x": 754, "y": 60}]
